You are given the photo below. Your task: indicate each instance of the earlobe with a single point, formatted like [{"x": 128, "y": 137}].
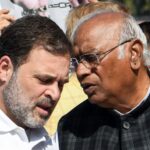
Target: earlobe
[
  {"x": 6, "y": 68},
  {"x": 136, "y": 50}
]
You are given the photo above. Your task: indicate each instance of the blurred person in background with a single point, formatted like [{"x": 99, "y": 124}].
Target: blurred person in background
[
  {"x": 57, "y": 10},
  {"x": 76, "y": 3},
  {"x": 81, "y": 10},
  {"x": 8, "y": 13}
]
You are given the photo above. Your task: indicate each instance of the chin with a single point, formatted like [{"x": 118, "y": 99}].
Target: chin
[
  {"x": 94, "y": 100},
  {"x": 99, "y": 100}
]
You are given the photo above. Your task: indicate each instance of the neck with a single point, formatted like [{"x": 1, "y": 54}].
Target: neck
[{"x": 135, "y": 95}]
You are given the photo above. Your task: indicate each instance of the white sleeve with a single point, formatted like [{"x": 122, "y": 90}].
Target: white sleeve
[{"x": 55, "y": 142}]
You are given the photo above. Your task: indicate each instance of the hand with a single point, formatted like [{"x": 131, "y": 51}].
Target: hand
[
  {"x": 76, "y": 3},
  {"x": 5, "y": 18}
]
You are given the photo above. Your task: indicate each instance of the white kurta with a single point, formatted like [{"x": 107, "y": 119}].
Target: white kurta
[{"x": 13, "y": 137}]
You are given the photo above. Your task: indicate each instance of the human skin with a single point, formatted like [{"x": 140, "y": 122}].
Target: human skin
[
  {"x": 114, "y": 82},
  {"x": 35, "y": 89},
  {"x": 5, "y": 18}
]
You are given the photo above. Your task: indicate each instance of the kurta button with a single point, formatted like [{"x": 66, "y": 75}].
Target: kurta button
[{"x": 126, "y": 125}]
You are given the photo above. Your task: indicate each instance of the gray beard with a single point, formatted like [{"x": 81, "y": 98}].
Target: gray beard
[{"x": 21, "y": 107}]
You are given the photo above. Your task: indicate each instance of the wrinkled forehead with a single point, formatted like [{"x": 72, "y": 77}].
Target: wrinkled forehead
[{"x": 99, "y": 29}]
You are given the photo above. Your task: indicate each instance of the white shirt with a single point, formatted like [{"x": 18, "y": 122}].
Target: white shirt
[{"x": 13, "y": 137}]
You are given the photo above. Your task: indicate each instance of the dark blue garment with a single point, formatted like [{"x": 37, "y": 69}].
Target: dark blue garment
[{"x": 89, "y": 127}]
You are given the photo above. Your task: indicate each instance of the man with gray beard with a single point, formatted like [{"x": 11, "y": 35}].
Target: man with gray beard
[{"x": 34, "y": 66}]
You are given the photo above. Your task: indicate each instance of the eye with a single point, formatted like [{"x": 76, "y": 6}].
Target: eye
[
  {"x": 90, "y": 58},
  {"x": 61, "y": 83},
  {"x": 45, "y": 80}
]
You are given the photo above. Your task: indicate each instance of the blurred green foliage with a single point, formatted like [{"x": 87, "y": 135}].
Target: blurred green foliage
[{"x": 138, "y": 8}]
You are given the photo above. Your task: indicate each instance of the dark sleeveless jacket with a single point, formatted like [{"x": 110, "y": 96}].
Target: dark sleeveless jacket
[{"x": 90, "y": 127}]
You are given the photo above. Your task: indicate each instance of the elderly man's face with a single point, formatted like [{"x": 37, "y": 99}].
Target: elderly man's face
[
  {"x": 108, "y": 78},
  {"x": 35, "y": 88}
]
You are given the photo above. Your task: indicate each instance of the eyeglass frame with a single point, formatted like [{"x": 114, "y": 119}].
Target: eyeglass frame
[{"x": 97, "y": 56}]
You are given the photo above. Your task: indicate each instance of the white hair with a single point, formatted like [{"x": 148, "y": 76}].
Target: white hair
[
  {"x": 86, "y": 18},
  {"x": 129, "y": 30}
]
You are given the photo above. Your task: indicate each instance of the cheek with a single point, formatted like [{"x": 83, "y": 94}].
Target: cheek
[
  {"x": 113, "y": 74},
  {"x": 112, "y": 67},
  {"x": 32, "y": 89},
  {"x": 108, "y": 73}
]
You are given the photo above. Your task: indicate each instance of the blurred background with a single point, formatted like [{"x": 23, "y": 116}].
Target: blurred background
[{"x": 138, "y": 8}]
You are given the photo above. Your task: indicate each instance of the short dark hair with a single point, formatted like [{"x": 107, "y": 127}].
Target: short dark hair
[{"x": 18, "y": 39}]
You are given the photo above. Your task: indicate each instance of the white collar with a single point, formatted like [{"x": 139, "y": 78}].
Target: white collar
[
  {"x": 6, "y": 125},
  {"x": 36, "y": 135}
]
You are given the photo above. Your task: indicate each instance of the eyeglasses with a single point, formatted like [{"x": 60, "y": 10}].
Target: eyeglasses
[{"x": 91, "y": 60}]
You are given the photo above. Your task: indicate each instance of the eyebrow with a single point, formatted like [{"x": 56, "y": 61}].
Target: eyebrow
[
  {"x": 89, "y": 51},
  {"x": 44, "y": 75},
  {"x": 48, "y": 76}
]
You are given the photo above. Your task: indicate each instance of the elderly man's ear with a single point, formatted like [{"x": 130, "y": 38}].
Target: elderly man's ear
[
  {"x": 6, "y": 69},
  {"x": 136, "y": 51}
]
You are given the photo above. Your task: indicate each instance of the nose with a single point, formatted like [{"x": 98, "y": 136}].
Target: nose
[
  {"x": 53, "y": 92},
  {"x": 82, "y": 71}
]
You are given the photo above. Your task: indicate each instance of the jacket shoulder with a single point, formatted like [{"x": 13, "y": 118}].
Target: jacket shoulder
[{"x": 83, "y": 109}]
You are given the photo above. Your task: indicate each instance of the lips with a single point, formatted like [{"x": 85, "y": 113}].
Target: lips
[
  {"x": 88, "y": 88},
  {"x": 44, "y": 109}
]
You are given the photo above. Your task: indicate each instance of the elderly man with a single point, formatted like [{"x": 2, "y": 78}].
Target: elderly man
[
  {"x": 34, "y": 62},
  {"x": 111, "y": 64}
]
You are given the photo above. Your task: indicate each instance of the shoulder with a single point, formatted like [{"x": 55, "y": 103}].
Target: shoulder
[
  {"x": 81, "y": 110},
  {"x": 85, "y": 117},
  {"x": 81, "y": 114}
]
